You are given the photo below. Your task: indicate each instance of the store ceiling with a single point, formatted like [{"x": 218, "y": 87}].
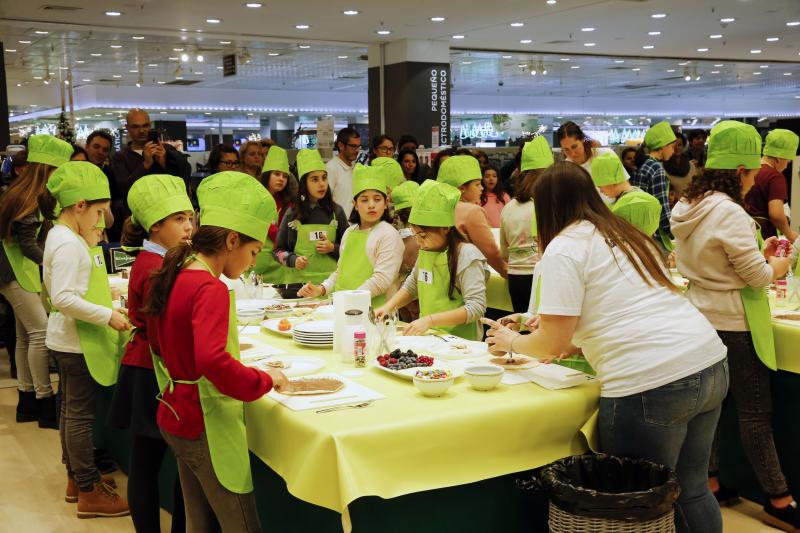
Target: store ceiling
[{"x": 137, "y": 45}]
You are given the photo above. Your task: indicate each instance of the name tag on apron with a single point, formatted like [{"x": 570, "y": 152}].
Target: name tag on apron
[
  {"x": 425, "y": 276},
  {"x": 317, "y": 235},
  {"x": 98, "y": 260}
]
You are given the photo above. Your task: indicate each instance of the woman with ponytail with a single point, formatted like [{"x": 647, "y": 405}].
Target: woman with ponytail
[
  {"x": 161, "y": 219},
  {"x": 191, "y": 321}
]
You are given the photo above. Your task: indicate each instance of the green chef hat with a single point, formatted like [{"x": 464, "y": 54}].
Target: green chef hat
[
  {"x": 733, "y": 143},
  {"x": 536, "y": 154},
  {"x": 391, "y": 171},
  {"x": 435, "y": 204},
  {"x": 277, "y": 159},
  {"x": 365, "y": 178},
  {"x": 404, "y": 195},
  {"x": 781, "y": 144},
  {"x": 48, "y": 150},
  {"x": 607, "y": 170},
  {"x": 238, "y": 202},
  {"x": 155, "y": 197},
  {"x": 640, "y": 209},
  {"x": 458, "y": 170},
  {"x": 78, "y": 180},
  {"x": 308, "y": 161},
  {"x": 659, "y": 135}
]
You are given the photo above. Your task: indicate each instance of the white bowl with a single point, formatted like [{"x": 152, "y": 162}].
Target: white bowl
[
  {"x": 484, "y": 377},
  {"x": 323, "y": 312},
  {"x": 249, "y": 317},
  {"x": 433, "y": 387}
]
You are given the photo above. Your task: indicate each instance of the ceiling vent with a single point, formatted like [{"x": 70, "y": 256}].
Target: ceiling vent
[
  {"x": 53, "y": 7},
  {"x": 559, "y": 42},
  {"x": 182, "y": 82}
]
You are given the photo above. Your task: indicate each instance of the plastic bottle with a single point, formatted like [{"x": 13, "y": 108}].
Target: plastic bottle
[{"x": 360, "y": 348}]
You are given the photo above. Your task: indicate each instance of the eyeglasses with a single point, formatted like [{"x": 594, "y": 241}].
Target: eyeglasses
[
  {"x": 353, "y": 146},
  {"x": 385, "y": 149},
  {"x": 229, "y": 164}
]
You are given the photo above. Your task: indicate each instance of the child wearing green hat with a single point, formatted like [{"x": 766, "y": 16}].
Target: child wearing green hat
[
  {"x": 464, "y": 173},
  {"x": 518, "y": 234},
  {"x": 20, "y": 281},
  {"x": 629, "y": 203},
  {"x": 403, "y": 198},
  {"x": 766, "y": 199},
  {"x": 718, "y": 250},
  {"x": 191, "y": 321},
  {"x": 391, "y": 171},
  {"x": 83, "y": 330},
  {"x": 311, "y": 230},
  {"x": 283, "y": 187},
  {"x": 651, "y": 177},
  {"x": 450, "y": 276},
  {"x": 368, "y": 258},
  {"x": 161, "y": 219}
]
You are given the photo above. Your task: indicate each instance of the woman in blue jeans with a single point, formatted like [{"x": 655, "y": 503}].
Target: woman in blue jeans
[{"x": 602, "y": 287}]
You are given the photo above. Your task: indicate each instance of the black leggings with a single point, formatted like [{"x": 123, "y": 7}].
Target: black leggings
[
  {"x": 519, "y": 288},
  {"x": 146, "y": 458}
]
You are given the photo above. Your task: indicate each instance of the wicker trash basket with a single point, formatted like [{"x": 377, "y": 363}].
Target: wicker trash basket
[{"x": 563, "y": 522}]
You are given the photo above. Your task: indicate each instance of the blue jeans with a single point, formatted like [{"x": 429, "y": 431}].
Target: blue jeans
[{"x": 673, "y": 425}]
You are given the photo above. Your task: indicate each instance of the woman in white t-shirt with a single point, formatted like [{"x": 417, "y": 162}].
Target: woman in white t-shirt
[{"x": 603, "y": 288}]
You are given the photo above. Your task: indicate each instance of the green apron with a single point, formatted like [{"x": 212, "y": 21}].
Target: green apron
[
  {"x": 270, "y": 269},
  {"x": 223, "y": 416},
  {"x": 433, "y": 284},
  {"x": 759, "y": 318},
  {"x": 102, "y": 346},
  {"x": 358, "y": 267},
  {"x": 525, "y": 250},
  {"x": 25, "y": 270},
  {"x": 320, "y": 266}
]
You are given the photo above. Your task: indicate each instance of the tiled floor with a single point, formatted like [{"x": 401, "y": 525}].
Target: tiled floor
[{"x": 32, "y": 481}]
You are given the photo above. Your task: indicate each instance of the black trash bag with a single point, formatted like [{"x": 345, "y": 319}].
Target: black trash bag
[{"x": 604, "y": 486}]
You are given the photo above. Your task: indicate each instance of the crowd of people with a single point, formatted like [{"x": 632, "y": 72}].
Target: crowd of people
[{"x": 584, "y": 244}]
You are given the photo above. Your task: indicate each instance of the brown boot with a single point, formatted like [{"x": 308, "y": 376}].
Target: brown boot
[
  {"x": 101, "y": 501},
  {"x": 72, "y": 487}
]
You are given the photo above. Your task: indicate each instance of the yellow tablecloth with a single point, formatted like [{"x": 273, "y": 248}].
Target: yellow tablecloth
[
  {"x": 787, "y": 337},
  {"x": 408, "y": 443}
]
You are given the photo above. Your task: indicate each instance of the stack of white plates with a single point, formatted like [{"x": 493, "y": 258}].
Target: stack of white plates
[{"x": 318, "y": 333}]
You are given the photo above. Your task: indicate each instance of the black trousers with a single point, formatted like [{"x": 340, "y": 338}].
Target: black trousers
[{"x": 519, "y": 288}]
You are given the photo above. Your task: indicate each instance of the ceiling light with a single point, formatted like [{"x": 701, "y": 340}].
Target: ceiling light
[
  {"x": 458, "y": 36},
  {"x": 253, "y": 5},
  {"x": 206, "y": 113},
  {"x": 220, "y": 68},
  {"x": 763, "y": 66},
  {"x": 133, "y": 71},
  {"x": 466, "y": 62},
  {"x": 523, "y": 65},
  {"x": 437, "y": 19},
  {"x": 342, "y": 57},
  {"x": 533, "y": 72},
  {"x": 199, "y": 58},
  {"x": 684, "y": 63},
  {"x": 575, "y": 67},
  {"x": 697, "y": 77},
  {"x": 116, "y": 76},
  {"x": 178, "y": 77},
  {"x": 702, "y": 49},
  {"x": 714, "y": 72},
  {"x": 86, "y": 80},
  {"x": 213, "y": 21},
  {"x": 658, "y": 15},
  {"x": 174, "y": 58},
  {"x": 302, "y": 26},
  {"x": 793, "y": 23},
  {"x": 525, "y": 41},
  {"x": 138, "y": 37},
  {"x": 671, "y": 70},
  {"x": 113, "y": 13},
  {"x": 787, "y": 73},
  {"x": 37, "y": 77},
  {"x": 304, "y": 46},
  {"x": 773, "y": 39},
  {"x": 509, "y": 57},
  {"x": 41, "y": 32},
  {"x": 11, "y": 50},
  {"x": 564, "y": 59},
  {"x": 719, "y": 65},
  {"x": 715, "y": 36},
  {"x": 152, "y": 64},
  {"x": 184, "y": 57},
  {"x": 95, "y": 55},
  {"x": 383, "y": 32},
  {"x": 757, "y": 73},
  {"x": 636, "y": 69},
  {"x": 648, "y": 47},
  {"x": 618, "y": 61},
  {"x": 161, "y": 82},
  {"x": 198, "y": 73},
  {"x": 551, "y": 2},
  {"x": 727, "y": 20},
  {"x": 654, "y": 33},
  {"x": 116, "y": 46},
  {"x": 250, "y": 114},
  {"x": 351, "y": 12},
  {"x": 756, "y": 51},
  {"x": 224, "y": 42},
  {"x": 588, "y": 29},
  {"x": 517, "y": 24},
  {"x": 24, "y": 42},
  {"x": 589, "y": 44}
]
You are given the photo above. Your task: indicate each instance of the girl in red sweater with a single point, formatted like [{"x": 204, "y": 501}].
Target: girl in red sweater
[
  {"x": 193, "y": 333},
  {"x": 161, "y": 219}
]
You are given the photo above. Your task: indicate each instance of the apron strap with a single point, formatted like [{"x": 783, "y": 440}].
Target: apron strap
[{"x": 171, "y": 385}]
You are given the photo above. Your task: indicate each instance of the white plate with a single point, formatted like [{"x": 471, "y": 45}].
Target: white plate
[
  {"x": 254, "y": 304},
  {"x": 300, "y": 365},
  {"x": 272, "y": 325},
  {"x": 316, "y": 340},
  {"x": 452, "y": 350},
  {"x": 318, "y": 327},
  {"x": 408, "y": 373},
  {"x": 315, "y": 344},
  {"x": 295, "y": 300}
]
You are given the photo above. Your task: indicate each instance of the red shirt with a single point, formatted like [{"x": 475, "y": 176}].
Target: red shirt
[
  {"x": 190, "y": 335},
  {"x": 137, "y": 353},
  {"x": 272, "y": 234},
  {"x": 770, "y": 185}
]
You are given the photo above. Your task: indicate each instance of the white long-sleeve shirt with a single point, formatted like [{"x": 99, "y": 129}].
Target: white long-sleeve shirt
[
  {"x": 66, "y": 269},
  {"x": 340, "y": 182},
  {"x": 385, "y": 253}
]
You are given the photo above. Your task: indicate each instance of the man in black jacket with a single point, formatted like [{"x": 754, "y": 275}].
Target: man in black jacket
[{"x": 142, "y": 157}]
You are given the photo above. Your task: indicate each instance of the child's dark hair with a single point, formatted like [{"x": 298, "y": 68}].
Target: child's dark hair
[
  {"x": 133, "y": 236},
  {"x": 402, "y": 215},
  {"x": 208, "y": 240},
  {"x": 355, "y": 218},
  {"x": 302, "y": 208},
  {"x": 47, "y": 204},
  {"x": 499, "y": 190},
  {"x": 454, "y": 241}
]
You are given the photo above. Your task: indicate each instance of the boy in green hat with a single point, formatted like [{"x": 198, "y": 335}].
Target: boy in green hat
[
  {"x": 368, "y": 256},
  {"x": 651, "y": 177},
  {"x": 83, "y": 330},
  {"x": 464, "y": 173},
  {"x": 201, "y": 381},
  {"x": 450, "y": 276},
  {"x": 718, "y": 250},
  {"x": 765, "y": 201},
  {"x": 630, "y": 203}
]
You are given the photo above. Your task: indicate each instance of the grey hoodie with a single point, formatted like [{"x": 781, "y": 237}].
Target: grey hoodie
[{"x": 717, "y": 250}]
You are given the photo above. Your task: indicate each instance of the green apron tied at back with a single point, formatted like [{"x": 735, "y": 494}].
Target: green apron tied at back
[
  {"x": 759, "y": 319},
  {"x": 25, "y": 270}
]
